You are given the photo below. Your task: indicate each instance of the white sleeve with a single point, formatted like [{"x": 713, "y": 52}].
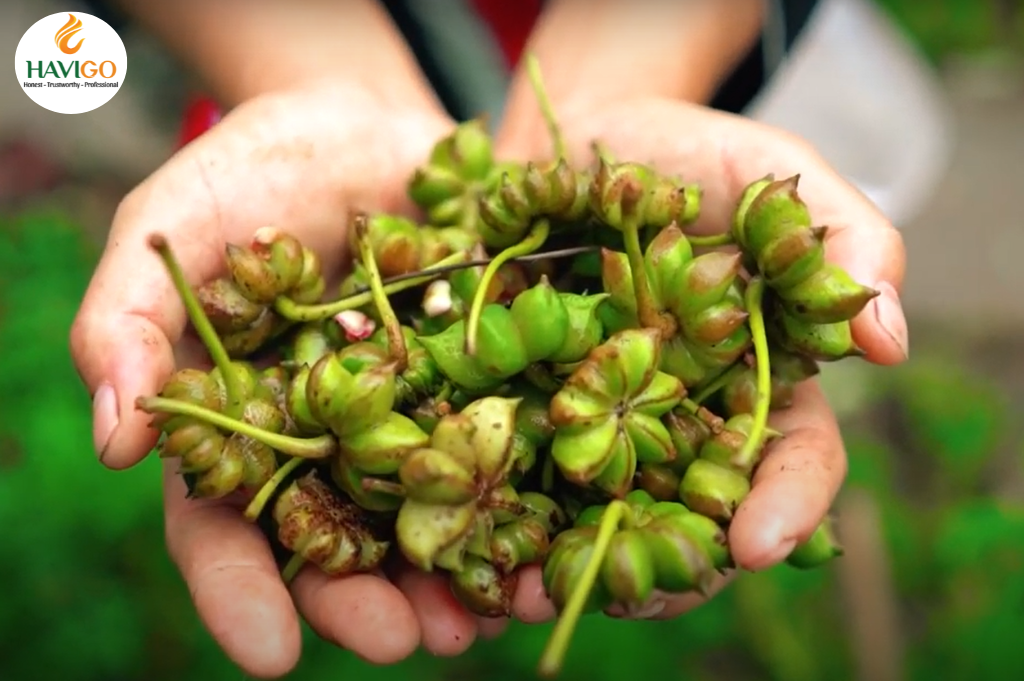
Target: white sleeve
[{"x": 856, "y": 88}]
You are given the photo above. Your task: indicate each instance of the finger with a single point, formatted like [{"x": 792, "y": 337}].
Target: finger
[
  {"x": 233, "y": 581},
  {"x": 362, "y": 613},
  {"x": 239, "y": 176},
  {"x": 794, "y": 486},
  {"x": 663, "y": 606},
  {"x": 448, "y": 628},
  {"x": 724, "y": 153},
  {"x": 684, "y": 603},
  {"x": 490, "y": 628},
  {"x": 881, "y": 329},
  {"x": 531, "y": 603}
]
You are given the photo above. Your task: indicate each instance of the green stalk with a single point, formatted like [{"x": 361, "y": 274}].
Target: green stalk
[
  {"x": 547, "y": 110},
  {"x": 383, "y": 487},
  {"x": 547, "y": 475},
  {"x": 292, "y": 568},
  {"x": 536, "y": 237},
  {"x": 753, "y": 298},
  {"x": 711, "y": 241},
  {"x": 392, "y": 327},
  {"x": 723, "y": 379},
  {"x": 649, "y": 313},
  {"x": 691, "y": 406},
  {"x": 319, "y": 447},
  {"x": 554, "y": 653},
  {"x": 296, "y": 312},
  {"x": 603, "y": 153},
  {"x": 445, "y": 393},
  {"x": 539, "y": 376},
  {"x": 204, "y": 329},
  {"x": 464, "y": 264},
  {"x": 259, "y": 501}
]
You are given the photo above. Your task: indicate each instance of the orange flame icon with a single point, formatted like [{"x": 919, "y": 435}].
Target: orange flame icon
[{"x": 65, "y": 34}]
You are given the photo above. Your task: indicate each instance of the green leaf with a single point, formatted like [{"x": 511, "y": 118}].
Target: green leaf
[{"x": 956, "y": 416}]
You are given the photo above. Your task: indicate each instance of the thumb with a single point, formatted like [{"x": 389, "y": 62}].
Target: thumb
[
  {"x": 872, "y": 252},
  {"x": 123, "y": 336}
]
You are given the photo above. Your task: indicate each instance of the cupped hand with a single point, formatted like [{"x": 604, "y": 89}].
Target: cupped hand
[
  {"x": 801, "y": 474},
  {"x": 299, "y": 161}
]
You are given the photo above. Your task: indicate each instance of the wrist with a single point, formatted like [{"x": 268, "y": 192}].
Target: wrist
[
  {"x": 242, "y": 49},
  {"x": 681, "y": 50}
]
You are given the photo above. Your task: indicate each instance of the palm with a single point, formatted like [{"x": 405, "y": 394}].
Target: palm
[
  {"x": 723, "y": 153},
  {"x": 299, "y": 161}
]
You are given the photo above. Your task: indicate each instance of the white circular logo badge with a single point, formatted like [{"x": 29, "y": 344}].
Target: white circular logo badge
[{"x": 71, "y": 62}]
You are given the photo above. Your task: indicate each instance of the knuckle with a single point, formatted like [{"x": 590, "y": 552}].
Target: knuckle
[{"x": 129, "y": 206}]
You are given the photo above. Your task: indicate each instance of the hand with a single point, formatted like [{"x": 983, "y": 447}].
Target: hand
[
  {"x": 797, "y": 482},
  {"x": 300, "y": 161}
]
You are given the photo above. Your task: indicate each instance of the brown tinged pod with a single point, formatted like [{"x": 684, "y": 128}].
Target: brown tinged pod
[
  {"x": 621, "y": 554},
  {"x": 227, "y": 308},
  {"x": 699, "y": 295},
  {"x": 607, "y": 416},
  {"x": 739, "y": 394},
  {"x": 689, "y": 432},
  {"x": 821, "y": 547},
  {"x": 274, "y": 265},
  {"x": 773, "y": 226},
  {"x": 220, "y": 464},
  {"x": 328, "y": 531},
  {"x": 819, "y": 342},
  {"x": 245, "y": 342},
  {"x": 713, "y": 490},
  {"x": 554, "y": 190},
  {"x": 461, "y": 168},
  {"x": 487, "y": 587},
  {"x": 726, "y": 448},
  {"x": 193, "y": 386},
  {"x": 624, "y": 193},
  {"x": 217, "y": 463},
  {"x": 401, "y": 246},
  {"x": 483, "y": 589},
  {"x": 457, "y": 487},
  {"x": 239, "y": 306}
]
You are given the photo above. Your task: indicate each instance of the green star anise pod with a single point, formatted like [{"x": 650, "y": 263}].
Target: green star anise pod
[
  {"x": 701, "y": 295},
  {"x": 457, "y": 488},
  {"x": 607, "y": 416},
  {"x": 460, "y": 171}
]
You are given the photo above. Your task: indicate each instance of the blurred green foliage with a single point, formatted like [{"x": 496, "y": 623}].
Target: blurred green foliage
[
  {"x": 945, "y": 27},
  {"x": 91, "y": 596}
]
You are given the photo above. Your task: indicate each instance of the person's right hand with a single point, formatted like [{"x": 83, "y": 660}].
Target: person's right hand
[{"x": 298, "y": 161}]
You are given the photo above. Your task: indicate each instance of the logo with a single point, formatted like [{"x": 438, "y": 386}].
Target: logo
[
  {"x": 66, "y": 33},
  {"x": 71, "y": 63}
]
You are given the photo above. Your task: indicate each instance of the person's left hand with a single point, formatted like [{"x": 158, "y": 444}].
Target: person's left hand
[{"x": 795, "y": 485}]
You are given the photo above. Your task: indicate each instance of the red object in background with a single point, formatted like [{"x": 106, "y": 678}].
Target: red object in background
[
  {"x": 201, "y": 114},
  {"x": 26, "y": 169},
  {"x": 511, "y": 21}
]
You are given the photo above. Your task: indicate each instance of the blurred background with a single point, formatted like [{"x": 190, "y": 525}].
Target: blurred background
[{"x": 920, "y": 102}]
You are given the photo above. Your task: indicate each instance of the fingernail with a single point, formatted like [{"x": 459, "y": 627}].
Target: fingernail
[
  {"x": 104, "y": 418},
  {"x": 889, "y": 314},
  {"x": 781, "y": 552}
]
